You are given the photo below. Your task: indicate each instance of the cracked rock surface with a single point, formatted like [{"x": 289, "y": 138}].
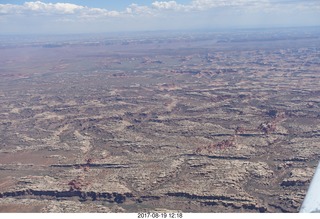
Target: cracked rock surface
[{"x": 130, "y": 127}]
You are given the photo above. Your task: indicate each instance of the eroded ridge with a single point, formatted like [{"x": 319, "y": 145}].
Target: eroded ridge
[{"x": 212, "y": 125}]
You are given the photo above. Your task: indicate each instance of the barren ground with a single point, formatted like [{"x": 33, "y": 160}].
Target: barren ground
[{"x": 191, "y": 123}]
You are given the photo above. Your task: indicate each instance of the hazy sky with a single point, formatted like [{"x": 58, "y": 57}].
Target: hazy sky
[{"x": 86, "y": 16}]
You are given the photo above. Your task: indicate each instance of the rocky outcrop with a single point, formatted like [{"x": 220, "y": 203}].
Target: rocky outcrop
[
  {"x": 82, "y": 195},
  {"x": 298, "y": 177},
  {"x": 207, "y": 197},
  {"x": 226, "y": 201},
  {"x": 92, "y": 165}
]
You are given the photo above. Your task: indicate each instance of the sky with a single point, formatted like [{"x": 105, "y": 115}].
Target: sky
[{"x": 99, "y": 16}]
